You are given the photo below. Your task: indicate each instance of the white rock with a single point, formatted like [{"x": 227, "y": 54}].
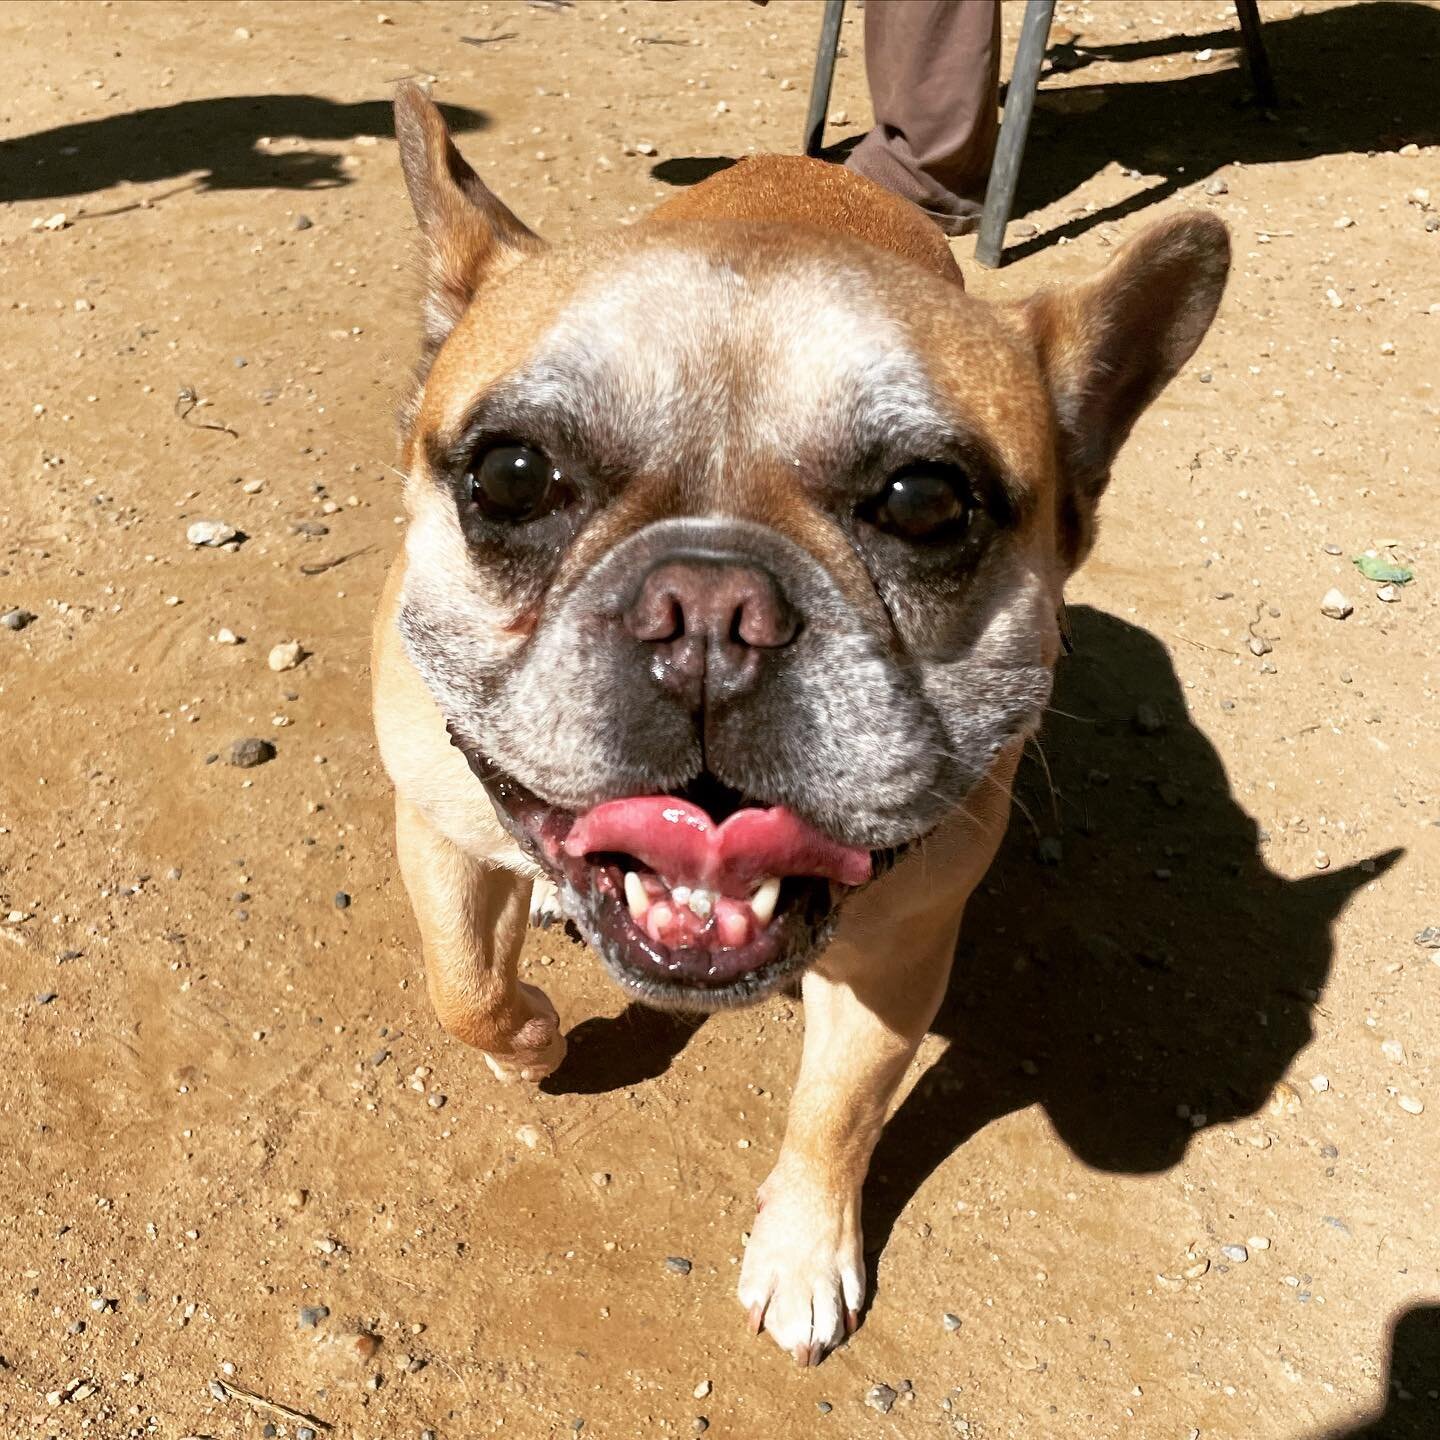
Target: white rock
[
  {"x": 210, "y": 532},
  {"x": 226, "y": 636},
  {"x": 1393, "y": 1051},
  {"x": 1335, "y": 605},
  {"x": 285, "y": 656},
  {"x": 1319, "y": 1083},
  {"x": 57, "y": 221},
  {"x": 1410, "y": 1105},
  {"x": 701, "y": 1390},
  {"x": 646, "y": 148},
  {"x": 1388, "y": 593},
  {"x": 529, "y": 1136}
]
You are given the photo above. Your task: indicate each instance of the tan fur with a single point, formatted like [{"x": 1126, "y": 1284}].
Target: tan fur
[{"x": 1054, "y": 383}]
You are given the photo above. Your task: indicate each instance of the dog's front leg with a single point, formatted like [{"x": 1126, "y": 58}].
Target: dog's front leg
[
  {"x": 803, "y": 1279},
  {"x": 868, "y": 1003},
  {"x": 472, "y": 921}
]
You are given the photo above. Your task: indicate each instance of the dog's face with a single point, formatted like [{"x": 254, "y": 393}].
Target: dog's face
[{"x": 736, "y": 550}]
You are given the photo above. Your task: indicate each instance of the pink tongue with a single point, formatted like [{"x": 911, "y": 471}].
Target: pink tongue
[{"x": 680, "y": 842}]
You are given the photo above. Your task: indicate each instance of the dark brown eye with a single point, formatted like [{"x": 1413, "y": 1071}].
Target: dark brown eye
[
  {"x": 514, "y": 483},
  {"x": 924, "y": 502}
]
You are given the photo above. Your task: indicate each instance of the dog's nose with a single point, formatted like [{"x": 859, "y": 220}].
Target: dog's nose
[{"x": 709, "y": 626}]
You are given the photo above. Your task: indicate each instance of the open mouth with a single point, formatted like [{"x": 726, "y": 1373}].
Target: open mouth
[{"x": 693, "y": 899}]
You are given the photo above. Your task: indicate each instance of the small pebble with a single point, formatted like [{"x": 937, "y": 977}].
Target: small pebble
[
  {"x": 304, "y": 1432},
  {"x": 1319, "y": 1083},
  {"x": 1216, "y": 187},
  {"x": 1237, "y": 1254},
  {"x": 210, "y": 533},
  {"x": 881, "y": 1398},
  {"x": 285, "y": 656},
  {"x": 1335, "y": 605},
  {"x": 1147, "y": 719},
  {"x": 301, "y": 222},
  {"x": 1410, "y": 1105},
  {"x": 365, "y": 1345},
  {"x": 1259, "y": 1242},
  {"x": 312, "y": 1315},
  {"x": 17, "y": 619},
  {"x": 678, "y": 1265},
  {"x": 700, "y": 1424},
  {"x": 950, "y": 1321},
  {"x": 218, "y": 1391},
  {"x": 824, "y": 1406},
  {"x": 1388, "y": 593},
  {"x": 247, "y": 753},
  {"x": 702, "y": 1389},
  {"x": 529, "y": 1136},
  {"x": 342, "y": 900},
  {"x": 226, "y": 636},
  {"x": 1333, "y": 550},
  {"x": 435, "y": 1102}
]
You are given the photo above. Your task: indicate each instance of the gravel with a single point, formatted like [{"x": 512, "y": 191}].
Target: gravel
[
  {"x": 951, "y": 1321},
  {"x": 1236, "y": 1254},
  {"x": 249, "y": 752},
  {"x": 1335, "y": 605},
  {"x": 312, "y": 1315},
  {"x": 17, "y": 619},
  {"x": 678, "y": 1265}
]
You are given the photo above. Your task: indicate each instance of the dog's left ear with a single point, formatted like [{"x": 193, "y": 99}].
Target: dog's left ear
[
  {"x": 466, "y": 232},
  {"x": 1110, "y": 345}
]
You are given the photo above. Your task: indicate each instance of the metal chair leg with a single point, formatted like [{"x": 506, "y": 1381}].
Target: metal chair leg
[
  {"x": 1010, "y": 148},
  {"x": 824, "y": 74},
  {"x": 1255, "y": 55}
]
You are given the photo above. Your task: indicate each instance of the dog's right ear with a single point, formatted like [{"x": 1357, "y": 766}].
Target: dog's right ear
[{"x": 466, "y": 233}]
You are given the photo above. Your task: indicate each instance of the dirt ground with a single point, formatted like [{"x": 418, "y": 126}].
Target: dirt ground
[{"x": 1189, "y": 1013}]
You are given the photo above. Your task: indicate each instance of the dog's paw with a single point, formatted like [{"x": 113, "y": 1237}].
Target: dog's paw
[
  {"x": 537, "y": 1046},
  {"x": 803, "y": 1280},
  {"x": 545, "y": 908}
]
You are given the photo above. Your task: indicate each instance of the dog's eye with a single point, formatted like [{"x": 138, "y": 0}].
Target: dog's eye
[
  {"x": 514, "y": 483},
  {"x": 922, "y": 502}
]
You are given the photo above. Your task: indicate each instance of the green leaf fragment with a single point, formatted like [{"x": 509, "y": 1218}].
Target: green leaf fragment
[{"x": 1374, "y": 567}]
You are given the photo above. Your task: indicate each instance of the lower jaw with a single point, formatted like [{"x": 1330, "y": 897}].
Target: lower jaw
[{"x": 697, "y": 979}]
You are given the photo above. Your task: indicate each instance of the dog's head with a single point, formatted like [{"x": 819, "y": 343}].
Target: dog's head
[{"x": 736, "y": 547}]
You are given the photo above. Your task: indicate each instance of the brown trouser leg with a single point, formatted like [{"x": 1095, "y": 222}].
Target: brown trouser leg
[{"x": 934, "y": 72}]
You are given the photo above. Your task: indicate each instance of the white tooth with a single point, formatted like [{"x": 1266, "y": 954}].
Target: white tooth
[
  {"x": 702, "y": 902},
  {"x": 680, "y": 894},
  {"x": 762, "y": 902},
  {"x": 635, "y": 896}
]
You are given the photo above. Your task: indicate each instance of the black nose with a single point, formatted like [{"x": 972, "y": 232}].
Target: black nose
[{"x": 709, "y": 625}]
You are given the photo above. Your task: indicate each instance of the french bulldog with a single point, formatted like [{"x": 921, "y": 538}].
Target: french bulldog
[{"x": 728, "y": 599}]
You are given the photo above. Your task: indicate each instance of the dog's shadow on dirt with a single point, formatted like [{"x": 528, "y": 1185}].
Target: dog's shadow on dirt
[
  {"x": 217, "y": 137},
  {"x": 1131, "y": 963},
  {"x": 1412, "y": 1401}
]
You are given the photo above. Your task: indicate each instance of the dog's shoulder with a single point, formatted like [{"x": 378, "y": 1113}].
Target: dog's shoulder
[{"x": 794, "y": 189}]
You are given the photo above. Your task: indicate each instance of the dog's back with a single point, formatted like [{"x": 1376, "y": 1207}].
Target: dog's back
[{"x": 796, "y": 190}]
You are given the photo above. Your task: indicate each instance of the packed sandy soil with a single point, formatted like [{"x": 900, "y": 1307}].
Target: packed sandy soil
[{"x": 1189, "y": 1012}]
